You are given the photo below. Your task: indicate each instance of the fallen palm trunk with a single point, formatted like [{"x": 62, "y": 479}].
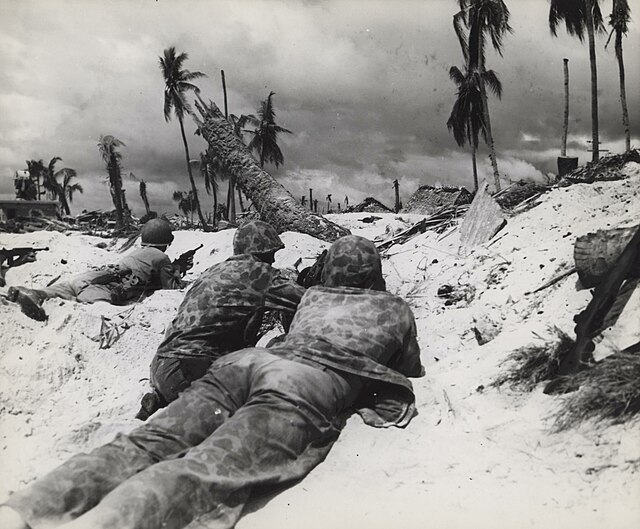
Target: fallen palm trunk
[{"x": 273, "y": 202}]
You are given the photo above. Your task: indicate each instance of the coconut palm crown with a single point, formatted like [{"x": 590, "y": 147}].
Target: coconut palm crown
[
  {"x": 177, "y": 82},
  {"x": 265, "y": 134}
]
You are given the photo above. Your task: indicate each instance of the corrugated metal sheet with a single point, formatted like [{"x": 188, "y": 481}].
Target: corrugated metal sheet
[{"x": 483, "y": 220}]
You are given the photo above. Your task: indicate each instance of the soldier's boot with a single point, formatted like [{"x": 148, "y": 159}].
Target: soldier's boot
[
  {"x": 30, "y": 302},
  {"x": 151, "y": 403}
]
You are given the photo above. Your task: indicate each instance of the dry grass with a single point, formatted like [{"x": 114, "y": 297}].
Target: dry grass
[
  {"x": 533, "y": 364},
  {"x": 610, "y": 390}
]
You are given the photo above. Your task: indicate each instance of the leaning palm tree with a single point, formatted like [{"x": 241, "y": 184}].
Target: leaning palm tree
[
  {"x": 483, "y": 18},
  {"x": 619, "y": 22},
  {"x": 265, "y": 134},
  {"x": 108, "y": 146},
  {"x": 272, "y": 201},
  {"x": 177, "y": 83},
  {"x": 578, "y": 16}
]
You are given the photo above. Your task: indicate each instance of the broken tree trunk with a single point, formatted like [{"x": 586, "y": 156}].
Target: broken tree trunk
[{"x": 273, "y": 202}]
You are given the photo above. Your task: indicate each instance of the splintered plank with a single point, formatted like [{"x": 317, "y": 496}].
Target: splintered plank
[
  {"x": 483, "y": 220},
  {"x": 596, "y": 253}
]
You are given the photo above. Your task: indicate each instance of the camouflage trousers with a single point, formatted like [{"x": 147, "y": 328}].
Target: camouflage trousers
[
  {"x": 171, "y": 376},
  {"x": 253, "y": 420}
]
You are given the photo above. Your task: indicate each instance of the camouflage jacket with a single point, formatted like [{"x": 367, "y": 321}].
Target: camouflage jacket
[
  {"x": 361, "y": 332},
  {"x": 223, "y": 309}
]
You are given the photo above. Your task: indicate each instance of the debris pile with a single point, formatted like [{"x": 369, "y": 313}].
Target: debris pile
[
  {"x": 428, "y": 200},
  {"x": 368, "y": 205},
  {"x": 439, "y": 222},
  {"x": 516, "y": 194},
  {"x": 607, "y": 168}
]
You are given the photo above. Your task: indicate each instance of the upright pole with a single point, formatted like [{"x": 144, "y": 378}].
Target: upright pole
[
  {"x": 565, "y": 128},
  {"x": 231, "y": 202},
  {"x": 396, "y": 187}
]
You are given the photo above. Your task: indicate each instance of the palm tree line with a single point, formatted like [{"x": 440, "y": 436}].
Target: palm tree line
[
  {"x": 478, "y": 20},
  {"x": 52, "y": 184}
]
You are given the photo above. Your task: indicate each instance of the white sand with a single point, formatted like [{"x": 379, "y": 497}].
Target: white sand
[{"x": 471, "y": 458}]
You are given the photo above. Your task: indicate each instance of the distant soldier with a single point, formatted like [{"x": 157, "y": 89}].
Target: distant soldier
[
  {"x": 141, "y": 271},
  {"x": 221, "y": 313}
]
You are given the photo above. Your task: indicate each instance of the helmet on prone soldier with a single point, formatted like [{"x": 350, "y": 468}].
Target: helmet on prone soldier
[
  {"x": 353, "y": 261},
  {"x": 157, "y": 232},
  {"x": 257, "y": 238}
]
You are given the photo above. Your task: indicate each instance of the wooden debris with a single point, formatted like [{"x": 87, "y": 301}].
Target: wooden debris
[
  {"x": 606, "y": 295},
  {"x": 607, "y": 168},
  {"x": 438, "y": 222},
  {"x": 483, "y": 220},
  {"x": 553, "y": 280},
  {"x": 596, "y": 253}
]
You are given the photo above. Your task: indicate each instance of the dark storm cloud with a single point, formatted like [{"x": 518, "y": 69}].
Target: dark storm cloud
[{"x": 363, "y": 84}]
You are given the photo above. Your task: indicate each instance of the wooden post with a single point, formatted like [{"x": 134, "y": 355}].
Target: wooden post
[
  {"x": 565, "y": 127},
  {"x": 224, "y": 92},
  {"x": 396, "y": 187},
  {"x": 311, "y": 199}
]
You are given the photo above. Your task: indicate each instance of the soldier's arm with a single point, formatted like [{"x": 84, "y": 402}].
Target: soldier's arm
[
  {"x": 408, "y": 361},
  {"x": 170, "y": 276},
  {"x": 283, "y": 294}
]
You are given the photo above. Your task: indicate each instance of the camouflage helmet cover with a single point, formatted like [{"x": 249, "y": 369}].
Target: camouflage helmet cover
[
  {"x": 353, "y": 261},
  {"x": 256, "y": 237}
]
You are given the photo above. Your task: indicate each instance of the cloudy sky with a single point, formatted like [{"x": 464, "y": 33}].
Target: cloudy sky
[{"x": 363, "y": 85}]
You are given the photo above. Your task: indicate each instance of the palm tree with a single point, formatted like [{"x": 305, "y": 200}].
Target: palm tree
[
  {"x": 480, "y": 17},
  {"x": 143, "y": 195},
  {"x": 61, "y": 191},
  {"x": 209, "y": 170},
  {"x": 36, "y": 170},
  {"x": 177, "y": 84},
  {"x": 48, "y": 178},
  {"x": 619, "y": 21},
  {"x": 271, "y": 200},
  {"x": 579, "y": 15},
  {"x": 265, "y": 134},
  {"x": 186, "y": 203},
  {"x": 107, "y": 147},
  {"x": 467, "y": 117},
  {"x": 66, "y": 189}
]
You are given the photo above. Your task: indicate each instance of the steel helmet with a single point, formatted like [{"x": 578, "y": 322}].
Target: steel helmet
[
  {"x": 256, "y": 237},
  {"x": 353, "y": 261},
  {"x": 157, "y": 232}
]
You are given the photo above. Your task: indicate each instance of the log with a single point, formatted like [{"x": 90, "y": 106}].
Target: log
[{"x": 272, "y": 201}]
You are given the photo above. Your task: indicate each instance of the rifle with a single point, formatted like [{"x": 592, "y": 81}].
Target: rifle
[
  {"x": 185, "y": 261},
  {"x": 16, "y": 257}
]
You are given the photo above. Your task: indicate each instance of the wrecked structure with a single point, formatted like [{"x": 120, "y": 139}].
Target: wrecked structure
[
  {"x": 369, "y": 205},
  {"x": 427, "y": 200}
]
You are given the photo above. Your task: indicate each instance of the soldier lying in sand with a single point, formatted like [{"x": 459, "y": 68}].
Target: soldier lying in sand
[
  {"x": 143, "y": 270},
  {"x": 258, "y": 417}
]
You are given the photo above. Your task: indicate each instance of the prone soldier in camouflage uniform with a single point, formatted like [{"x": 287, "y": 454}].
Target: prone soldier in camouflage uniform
[
  {"x": 258, "y": 417},
  {"x": 221, "y": 313}
]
